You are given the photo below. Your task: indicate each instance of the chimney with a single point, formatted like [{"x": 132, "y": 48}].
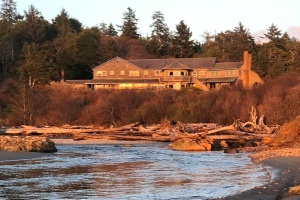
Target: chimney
[
  {"x": 62, "y": 73},
  {"x": 246, "y": 69}
]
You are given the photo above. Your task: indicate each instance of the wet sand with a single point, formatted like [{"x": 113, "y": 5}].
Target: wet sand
[
  {"x": 4, "y": 156},
  {"x": 287, "y": 174}
]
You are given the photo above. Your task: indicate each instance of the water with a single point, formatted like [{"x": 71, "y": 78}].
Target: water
[{"x": 140, "y": 171}]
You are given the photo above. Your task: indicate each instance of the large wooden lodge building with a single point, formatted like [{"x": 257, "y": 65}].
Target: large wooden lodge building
[{"x": 203, "y": 73}]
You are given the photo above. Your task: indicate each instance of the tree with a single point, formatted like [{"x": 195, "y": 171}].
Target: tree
[
  {"x": 111, "y": 31},
  {"x": 8, "y": 11},
  {"x": 182, "y": 45},
  {"x": 36, "y": 67},
  {"x": 159, "y": 41},
  {"x": 273, "y": 33},
  {"x": 278, "y": 55},
  {"x": 129, "y": 27}
]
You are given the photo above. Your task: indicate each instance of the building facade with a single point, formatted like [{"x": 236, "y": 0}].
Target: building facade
[{"x": 176, "y": 73}]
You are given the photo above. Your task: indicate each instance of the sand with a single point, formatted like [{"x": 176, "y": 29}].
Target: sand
[{"x": 4, "y": 156}]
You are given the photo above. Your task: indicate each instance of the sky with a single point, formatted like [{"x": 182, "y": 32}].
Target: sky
[{"x": 211, "y": 16}]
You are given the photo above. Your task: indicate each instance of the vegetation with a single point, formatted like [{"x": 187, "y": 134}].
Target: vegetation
[
  {"x": 59, "y": 104},
  {"x": 34, "y": 52}
]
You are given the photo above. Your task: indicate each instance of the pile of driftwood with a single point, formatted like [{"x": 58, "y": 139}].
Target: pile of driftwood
[{"x": 253, "y": 130}]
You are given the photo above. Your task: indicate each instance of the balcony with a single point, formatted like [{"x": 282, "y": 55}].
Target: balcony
[{"x": 175, "y": 79}]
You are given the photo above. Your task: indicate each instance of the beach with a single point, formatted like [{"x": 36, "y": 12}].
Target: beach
[
  {"x": 284, "y": 165},
  {"x": 5, "y": 156}
]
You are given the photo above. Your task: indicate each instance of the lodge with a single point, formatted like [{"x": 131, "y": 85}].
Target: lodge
[{"x": 176, "y": 73}]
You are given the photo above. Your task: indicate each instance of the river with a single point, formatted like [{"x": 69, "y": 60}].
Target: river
[{"x": 123, "y": 171}]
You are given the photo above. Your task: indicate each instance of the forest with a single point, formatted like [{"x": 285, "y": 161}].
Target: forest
[{"x": 34, "y": 51}]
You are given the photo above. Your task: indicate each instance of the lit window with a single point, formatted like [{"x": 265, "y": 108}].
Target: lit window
[
  {"x": 214, "y": 73},
  {"x": 229, "y": 73},
  {"x": 157, "y": 72},
  {"x": 202, "y": 73},
  {"x": 134, "y": 73},
  {"x": 146, "y": 72},
  {"x": 101, "y": 73},
  {"x": 122, "y": 73},
  {"x": 194, "y": 73},
  {"x": 111, "y": 73}
]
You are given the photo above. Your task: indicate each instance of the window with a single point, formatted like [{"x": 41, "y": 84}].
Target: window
[
  {"x": 214, "y": 73},
  {"x": 182, "y": 73},
  {"x": 202, "y": 73},
  {"x": 134, "y": 73},
  {"x": 170, "y": 73},
  {"x": 229, "y": 73},
  {"x": 146, "y": 72},
  {"x": 157, "y": 72},
  {"x": 101, "y": 73},
  {"x": 194, "y": 73},
  {"x": 111, "y": 73},
  {"x": 122, "y": 73}
]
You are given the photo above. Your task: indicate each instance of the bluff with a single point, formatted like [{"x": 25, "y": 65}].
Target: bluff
[{"x": 26, "y": 144}]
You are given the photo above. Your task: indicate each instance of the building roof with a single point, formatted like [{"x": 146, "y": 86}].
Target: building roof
[
  {"x": 228, "y": 65},
  {"x": 221, "y": 80},
  {"x": 176, "y": 65},
  {"x": 76, "y": 82},
  {"x": 118, "y": 81},
  {"x": 192, "y": 63}
]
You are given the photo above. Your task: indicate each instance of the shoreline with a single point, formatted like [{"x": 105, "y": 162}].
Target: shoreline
[
  {"x": 287, "y": 175},
  {"x": 283, "y": 163}
]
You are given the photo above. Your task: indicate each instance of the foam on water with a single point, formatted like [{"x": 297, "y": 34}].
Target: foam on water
[{"x": 141, "y": 171}]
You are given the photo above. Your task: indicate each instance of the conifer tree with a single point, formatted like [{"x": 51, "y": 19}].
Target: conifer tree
[
  {"x": 182, "y": 45},
  {"x": 129, "y": 27},
  {"x": 159, "y": 41}
]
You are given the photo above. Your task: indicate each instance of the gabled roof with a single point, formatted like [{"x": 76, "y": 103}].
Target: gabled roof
[
  {"x": 176, "y": 65},
  {"x": 228, "y": 65},
  {"x": 192, "y": 63},
  {"x": 115, "y": 58}
]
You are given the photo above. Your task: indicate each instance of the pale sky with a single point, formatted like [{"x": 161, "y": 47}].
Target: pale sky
[{"x": 200, "y": 15}]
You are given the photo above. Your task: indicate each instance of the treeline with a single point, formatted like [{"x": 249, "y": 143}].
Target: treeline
[
  {"x": 34, "y": 50},
  {"x": 59, "y": 104}
]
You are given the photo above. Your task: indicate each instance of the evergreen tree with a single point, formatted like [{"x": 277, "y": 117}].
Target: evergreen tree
[
  {"x": 111, "y": 31},
  {"x": 129, "y": 27},
  {"x": 273, "y": 33},
  {"x": 36, "y": 67},
  {"x": 278, "y": 55},
  {"x": 182, "y": 45},
  {"x": 8, "y": 11},
  {"x": 62, "y": 23},
  {"x": 159, "y": 41}
]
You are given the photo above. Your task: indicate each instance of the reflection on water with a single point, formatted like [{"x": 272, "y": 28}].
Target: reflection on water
[{"x": 143, "y": 171}]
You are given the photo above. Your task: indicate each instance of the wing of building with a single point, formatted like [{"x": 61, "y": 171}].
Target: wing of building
[{"x": 203, "y": 73}]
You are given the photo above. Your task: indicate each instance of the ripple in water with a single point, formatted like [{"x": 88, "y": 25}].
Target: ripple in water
[{"x": 141, "y": 171}]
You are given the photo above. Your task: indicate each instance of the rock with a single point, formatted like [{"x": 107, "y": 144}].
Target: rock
[
  {"x": 295, "y": 190},
  {"x": 190, "y": 145},
  {"x": 251, "y": 144},
  {"x": 26, "y": 143},
  {"x": 265, "y": 140},
  {"x": 231, "y": 151}
]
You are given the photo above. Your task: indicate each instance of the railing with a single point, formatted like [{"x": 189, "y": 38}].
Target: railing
[{"x": 175, "y": 78}]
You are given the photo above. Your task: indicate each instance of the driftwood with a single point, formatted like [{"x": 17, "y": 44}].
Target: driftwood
[{"x": 164, "y": 132}]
